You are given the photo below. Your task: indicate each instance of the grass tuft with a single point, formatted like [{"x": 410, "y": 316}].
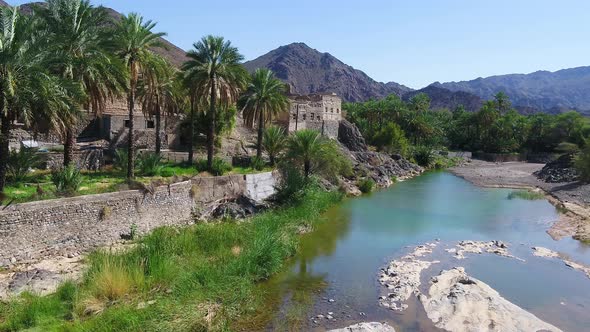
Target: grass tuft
[{"x": 526, "y": 194}]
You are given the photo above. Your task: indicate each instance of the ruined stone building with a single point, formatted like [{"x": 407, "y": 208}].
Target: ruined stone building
[{"x": 321, "y": 112}]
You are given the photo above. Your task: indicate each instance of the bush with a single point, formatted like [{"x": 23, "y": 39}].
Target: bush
[
  {"x": 121, "y": 160},
  {"x": 293, "y": 184},
  {"x": 366, "y": 185},
  {"x": 20, "y": 163},
  {"x": 392, "y": 139},
  {"x": 582, "y": 164},
  {"x": 567, "y": 148},
  {"x": 218, "y": 167},
  {"x": 257, "y": 163},
  {"x": 424, "y": 156},
  {"x": 167, "y": 173},
  {"x": 67, "y": 180},
  {"x": 150, "y": 164},
  {"x": 526, "y": 194}
]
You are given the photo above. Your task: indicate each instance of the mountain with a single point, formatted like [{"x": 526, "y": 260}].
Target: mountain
[
  {"x": 307, "y": 70},
  {"x": 441, "y": 98},
  {"x": 545, "y": 91},
  {"x": 171, "y": 52}
]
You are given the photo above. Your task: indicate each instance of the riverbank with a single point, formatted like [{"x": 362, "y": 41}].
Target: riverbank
[
  {"x": 198, "y": 277},
  {"x": 571, "y": 198}
]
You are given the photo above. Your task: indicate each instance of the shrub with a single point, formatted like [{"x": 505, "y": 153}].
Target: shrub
[
  {"x": 20, "y": 163},
  {"x": 150, "y": 164},
  {"x": 257, "y": 163},
  {"x": 526, "y": 194},
  {"x": 167, "y": 173},
  {"x": 423, "y": 156},
  {"x": 582, "y": 164},
  {"x": 292, "y": 186},
  {"x": 567, "y": 148},
  {"x": 273, "y": 142},
  {"x": 392, "y": 139},
  {"x": 201, "y": 165},
  {"x": 220, "y": 167},
  {"x": 121, "y": 160},
  {"x": 66, "y": 180},
  {"x": 366, "y": 185}
]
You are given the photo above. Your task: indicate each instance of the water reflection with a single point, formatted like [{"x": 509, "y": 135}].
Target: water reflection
[{"x": 341, "y": 258}]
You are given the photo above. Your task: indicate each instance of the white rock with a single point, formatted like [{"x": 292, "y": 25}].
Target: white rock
[
  {"x": 366, "y": 327},
  {"x": 459, "y": 303}
]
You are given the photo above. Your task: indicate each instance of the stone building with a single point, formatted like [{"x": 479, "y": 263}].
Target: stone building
[{"x": 321, "y": 112}]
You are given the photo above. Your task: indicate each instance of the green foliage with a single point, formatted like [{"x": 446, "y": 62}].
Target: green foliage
[
  {"x": 21, "y": 162},
  {"x": 257, "y": 163},
  {"x": 424, "y": 156},
  {"x": 219, "y": 166},
  {"x": 185, "y": 270},
  {"x": 312, "y": 153},
  {"x": 273, "y": 142},
  {"x": 292, "y": 185},
  {"x": 495, "y": 128},
  {"x": 121, "y": 160},
  {"x": 392, "y": 139},
  {"x": 582, "y": 164},
  {"x": 526, "y": 194},
  {"x": 567, "y": 148},
  {"x": 366, "y": 185},
  {"x": 67, "y": 180},
  {"x": 150, "y": 164}
]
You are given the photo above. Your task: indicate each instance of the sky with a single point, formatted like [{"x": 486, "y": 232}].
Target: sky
[{"x": 413, "y": 42}]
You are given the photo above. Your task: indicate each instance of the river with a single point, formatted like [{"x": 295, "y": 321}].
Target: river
[{"x": 336, "y": 270}]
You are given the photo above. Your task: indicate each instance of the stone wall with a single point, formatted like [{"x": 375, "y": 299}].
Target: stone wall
[{"x": 37, "y": 230}]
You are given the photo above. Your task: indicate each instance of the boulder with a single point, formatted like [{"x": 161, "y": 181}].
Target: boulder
[
  {"x": 366, "y": 327},
  {"x": 350, "y": 136},
  {"x": 560, "y": 170}
]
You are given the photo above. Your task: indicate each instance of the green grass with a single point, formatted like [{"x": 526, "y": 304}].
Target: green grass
[
  {"x": 199, "y": 278},
  {"x": 526, "y": 194}
]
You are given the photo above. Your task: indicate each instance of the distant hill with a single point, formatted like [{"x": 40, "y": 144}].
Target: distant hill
[
  {"x": 307, "y": 70},
  {"x": 545, "y": 91},
  {"x": 173, "y": 53},
  {"x": 441, "y": 98}
]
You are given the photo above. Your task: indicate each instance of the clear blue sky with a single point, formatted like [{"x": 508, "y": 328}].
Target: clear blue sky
[{"x": 410, "y": 42}]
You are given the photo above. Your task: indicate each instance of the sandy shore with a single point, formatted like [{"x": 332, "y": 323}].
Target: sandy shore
[{"x": 574, "y": 198}]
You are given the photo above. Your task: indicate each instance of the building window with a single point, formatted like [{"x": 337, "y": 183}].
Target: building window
[
  {"x": 304, "y": 117},
  {"x": 312, "y": 116},
  {"x": 332, "y": 110},
  {"x": 127, "y": 123},
  {"x": 337, "y": 111},
  {"x": 150, "y": 124},
  {"x": 294, "y": 116},
  {"x": 326, "y": 109}
]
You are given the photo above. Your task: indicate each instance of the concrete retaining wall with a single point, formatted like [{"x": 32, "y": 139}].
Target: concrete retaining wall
[{"x": 35, "y": 230}]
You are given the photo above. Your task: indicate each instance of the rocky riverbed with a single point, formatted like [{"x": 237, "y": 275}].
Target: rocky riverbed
[{"x": 454, "y": 300}]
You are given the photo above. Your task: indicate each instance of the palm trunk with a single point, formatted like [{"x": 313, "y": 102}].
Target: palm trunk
[
  {"x": 212, "y": 124},
  {"x": 131, "y": 136},
  {"x": 4, "y": 150},
  {"x": 307, "y": 168},
  {"x": 191, "y": 150},
  {"x": 260, "y": 133},
  {"x": 69, "y": 144},
  {"x": 158, "y": 126}
]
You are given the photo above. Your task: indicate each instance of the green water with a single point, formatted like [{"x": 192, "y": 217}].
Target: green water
[{"x": 336, "y": 270}]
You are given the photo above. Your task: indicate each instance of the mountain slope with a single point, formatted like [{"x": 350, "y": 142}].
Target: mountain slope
[
  {"x": 171, "y": 52},
  {"x": 441, "y": 98},
  {"x": 310, "y": 71},
  {"x": 542, "y": 90}
]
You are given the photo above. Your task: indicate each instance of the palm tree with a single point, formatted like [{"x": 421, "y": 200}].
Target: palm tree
[
  {"x": 75, "y": 50},
  {"x": 264, "y": 99},
  {"x": 215, "y": 74},
  {"x": 132, "y": 41},
  {"x": 274, "y": 141},
  {"x": 305, "y": 146},
  {"x": 27, "y": 92},
  {"x": 157, "y": 92}
]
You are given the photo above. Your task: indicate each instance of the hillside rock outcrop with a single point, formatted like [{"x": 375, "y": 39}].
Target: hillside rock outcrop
[{"x": 560, "y": 170}]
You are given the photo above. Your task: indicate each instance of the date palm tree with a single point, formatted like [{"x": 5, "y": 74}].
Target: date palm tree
[
  {"x": 274, "y": 141},
  {"x": 27, "y": 92},
  {"x": 157, "y": 92},
  {"x": 263, "y": 100},
  {"x": 305, "y": 146},
  {"x": 214, "y": 74},
  {"x": 133, "y": 41},
  {"x": 75, "y": 50}
]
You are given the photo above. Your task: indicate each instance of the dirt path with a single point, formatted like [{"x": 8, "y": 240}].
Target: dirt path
[{"x": 572, "y": 197}]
